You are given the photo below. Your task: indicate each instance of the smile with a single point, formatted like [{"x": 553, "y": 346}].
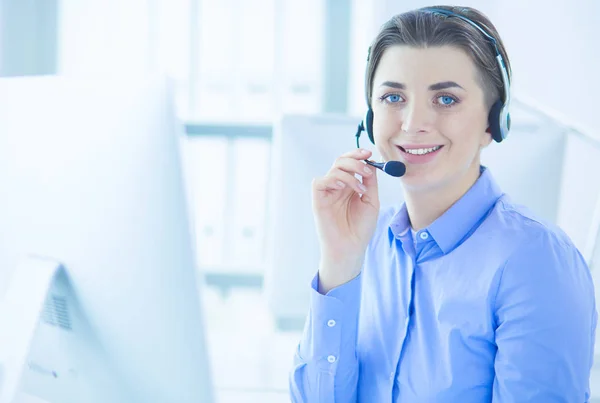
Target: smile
[
  {"x": 420, "y": 155},
  {"x": 420, "y": 151}
]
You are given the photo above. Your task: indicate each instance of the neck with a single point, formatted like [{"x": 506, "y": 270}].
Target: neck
[{"x": 426, "y": 206}]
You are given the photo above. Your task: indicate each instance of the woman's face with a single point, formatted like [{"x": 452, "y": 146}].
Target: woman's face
[{"x": 430, "y": 113}]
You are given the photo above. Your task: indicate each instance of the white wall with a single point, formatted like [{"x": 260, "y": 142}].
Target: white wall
[
  {"x": 366, "y": 19},
  {"x": 555, "y": 54},
  {"x": 98, "y": 37}
]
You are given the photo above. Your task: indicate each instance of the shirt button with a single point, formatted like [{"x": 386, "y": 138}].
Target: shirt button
[
  {"x": 331, "y": 323},
  {"x": 424, "y": 235},
  {"x": 331, "y": 359},
  {"x": 392, "y": 375}
]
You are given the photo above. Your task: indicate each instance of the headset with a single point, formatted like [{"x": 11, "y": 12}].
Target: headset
[{"x": 499, "y": 116}]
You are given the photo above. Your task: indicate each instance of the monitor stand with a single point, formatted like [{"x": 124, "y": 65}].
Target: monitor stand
[
  {"x": 49, "y": 352},
  {"x": 19, "y": 314}
]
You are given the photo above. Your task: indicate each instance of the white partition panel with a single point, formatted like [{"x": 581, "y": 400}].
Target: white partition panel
[
  {"x": 580, "y": 189},
  {"x": 528, "y": 164}
]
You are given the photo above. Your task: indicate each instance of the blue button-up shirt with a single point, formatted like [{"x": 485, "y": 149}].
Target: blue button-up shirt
[{"x": 490, "y": 304}]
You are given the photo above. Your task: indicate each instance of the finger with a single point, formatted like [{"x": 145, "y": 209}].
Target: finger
[
  {"x": 353, "y": 166},
  {"x": 372, "y": 193},
  {"x": 339, "y": 180},
  {"x": 358, "y": 153}
]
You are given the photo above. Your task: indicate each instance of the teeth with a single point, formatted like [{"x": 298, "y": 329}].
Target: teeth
[{"x": 421, "y": 151}]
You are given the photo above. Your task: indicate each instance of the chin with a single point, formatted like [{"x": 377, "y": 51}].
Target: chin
[
  {"x": 431, "y": 177},
  {"x": 421, "y": 179},
  {"x": 424, "y": 178}
]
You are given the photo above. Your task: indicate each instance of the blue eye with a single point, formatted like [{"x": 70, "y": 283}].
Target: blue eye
[
  {"x": 393, "y": 98},
  {"x": 446, "y": 100}
]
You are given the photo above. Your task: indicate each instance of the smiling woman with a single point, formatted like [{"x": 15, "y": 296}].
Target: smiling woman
[
  {"x": 433, "y": 96},
  {"x": 457, "y": 294}
]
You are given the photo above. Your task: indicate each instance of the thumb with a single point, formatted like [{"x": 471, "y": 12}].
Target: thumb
[{"x": 372, "y": 187}]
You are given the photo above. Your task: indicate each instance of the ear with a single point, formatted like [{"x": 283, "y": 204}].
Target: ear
[{"x": 486, "y": 138}]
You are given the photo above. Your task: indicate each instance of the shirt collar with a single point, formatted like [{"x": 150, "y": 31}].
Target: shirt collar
[{"x": 458, "y": 221}]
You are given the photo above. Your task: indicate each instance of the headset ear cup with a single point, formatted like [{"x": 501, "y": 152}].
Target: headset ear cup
[
  {"x": 494, "y": 121},
  {"x": 369, "y": 125}
]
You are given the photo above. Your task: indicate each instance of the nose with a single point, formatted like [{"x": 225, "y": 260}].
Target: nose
[{"x": 417, "y": 118}]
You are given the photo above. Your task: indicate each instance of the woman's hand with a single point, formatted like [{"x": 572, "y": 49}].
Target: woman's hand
[{"x": 345, "y": 212}]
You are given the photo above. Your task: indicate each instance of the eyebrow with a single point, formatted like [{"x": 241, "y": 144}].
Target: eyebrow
[{"x": 433, "y": 87}]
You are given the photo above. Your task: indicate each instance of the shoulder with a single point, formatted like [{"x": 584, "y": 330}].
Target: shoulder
[
  {"x": 525, "y": 232},
  {"x": 539, "y": 255}
]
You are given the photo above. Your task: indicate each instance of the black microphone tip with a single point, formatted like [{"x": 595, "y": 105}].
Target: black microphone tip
[{"x": 394, "y": 168}]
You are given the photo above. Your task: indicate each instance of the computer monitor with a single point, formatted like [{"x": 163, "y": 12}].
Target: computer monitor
[{"x": 98, "y": 282}]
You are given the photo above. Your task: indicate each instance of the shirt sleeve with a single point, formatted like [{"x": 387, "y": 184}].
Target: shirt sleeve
[
  {"x": 546, "y": 320},
  {"x": 325, "y": 366}
]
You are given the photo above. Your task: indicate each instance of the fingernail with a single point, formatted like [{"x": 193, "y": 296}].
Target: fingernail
[
  {"x": 340, "y": 184},
  {"x": 362, "y": 187},
  {"x": 368, "y": 170}
]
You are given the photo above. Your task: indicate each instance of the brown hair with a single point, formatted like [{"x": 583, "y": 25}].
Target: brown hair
[{"x": 422, "y": 28}]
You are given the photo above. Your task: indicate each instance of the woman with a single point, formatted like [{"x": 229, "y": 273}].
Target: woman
[{"x": 457, "y": 295}]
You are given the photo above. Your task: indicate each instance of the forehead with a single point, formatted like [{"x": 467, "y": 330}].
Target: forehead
[{"x": 415, "y": 66}]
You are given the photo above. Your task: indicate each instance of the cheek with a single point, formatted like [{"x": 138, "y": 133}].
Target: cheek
[
  {"x": 465, "y": 149},
  {"x": 464, "y": 145},
  {"x": 382, "y": 130},
  {"x": 385, "y": 124},
  {"x": 463, "y": 132}
]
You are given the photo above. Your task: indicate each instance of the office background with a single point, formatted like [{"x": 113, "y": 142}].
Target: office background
[{"x": 240, "y": 66}]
